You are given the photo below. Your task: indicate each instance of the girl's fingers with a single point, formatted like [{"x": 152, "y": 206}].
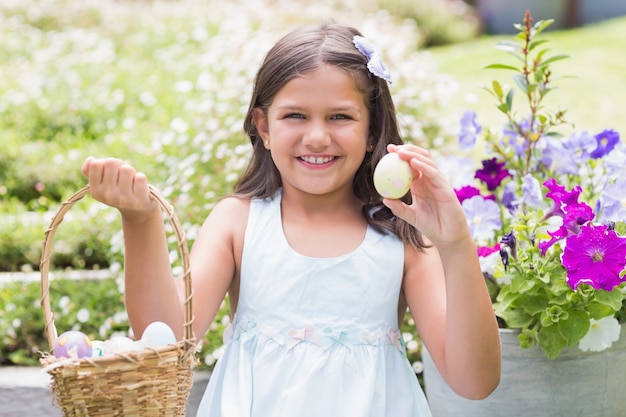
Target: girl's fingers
[
  {"x": 111, "y": 171},
  {"x": 95, "y": 172},
  {"x": 85, "y": 168},
  {"x": 125, "y": 177},
  {"x": 140, "y": 185}
]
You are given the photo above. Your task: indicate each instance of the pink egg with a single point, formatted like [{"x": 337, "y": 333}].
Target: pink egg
[{"x": 72, "y": 344}]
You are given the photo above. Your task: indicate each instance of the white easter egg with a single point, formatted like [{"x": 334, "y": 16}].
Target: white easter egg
[
  {"x": 158, "y": 334},
  {"x": 392, "y": 176},
  {"x": 118, "y": 345},
  {"x": 98, "y": 348}
]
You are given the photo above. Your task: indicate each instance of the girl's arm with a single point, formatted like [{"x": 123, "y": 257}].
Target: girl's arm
[
  {"x": 447, "y": 297},
  {"x": 151, "y": 292},
  {"x": 444, "y": 286}
]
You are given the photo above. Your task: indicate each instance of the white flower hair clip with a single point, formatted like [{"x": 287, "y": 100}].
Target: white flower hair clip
[{"x": 375, "y": 62}]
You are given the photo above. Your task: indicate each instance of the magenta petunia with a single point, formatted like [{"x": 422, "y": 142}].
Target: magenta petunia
[
  {"x": 566, "y": 205},
  {"x": 484, "y": 251},
  {"x": 466, "y": 192},
  {"x": 595, "y": 256}
]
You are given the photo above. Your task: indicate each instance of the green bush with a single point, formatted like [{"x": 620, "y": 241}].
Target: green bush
[
  {"x": 165, "y": 86},
  {"x": 440, "y": 22},
  {"x": 93, "y": 306}
]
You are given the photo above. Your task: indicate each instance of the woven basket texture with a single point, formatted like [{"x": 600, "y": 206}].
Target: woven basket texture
[{"x": 153, "y": 382}]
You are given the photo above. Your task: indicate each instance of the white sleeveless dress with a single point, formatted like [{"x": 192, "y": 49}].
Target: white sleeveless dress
[{"x": 314, "y": 337}]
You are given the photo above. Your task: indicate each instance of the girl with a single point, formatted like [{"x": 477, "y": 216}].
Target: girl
[{"x": 319, "y": 268}]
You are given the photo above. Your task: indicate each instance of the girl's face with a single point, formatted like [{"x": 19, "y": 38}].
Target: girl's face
[{"x": 317, "y": 131}]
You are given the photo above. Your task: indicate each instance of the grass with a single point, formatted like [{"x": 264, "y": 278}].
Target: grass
[{"x": 592, "y": 81}]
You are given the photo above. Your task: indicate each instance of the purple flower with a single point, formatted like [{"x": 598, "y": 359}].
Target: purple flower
[
  {"x": 466, "y": 192},
  {"x": 612, "y": 201},
  {"x": 595, "y": 256},
  {"x": 484, "y": 251},
  {"x": 606, "y": 141},
  {"x": 483, "y": 217},
  {"x": 581, "y": 145},
  {"x": 516, "y": 139},
  {"x": 532, "y": 191},
  {"x": 492, "y": 173},
  {"x": 559, "y": 158},
  {"x": 469, "y": 130},
  {"x": 509, "y": 241},
  {"x": 566, "y": 205},
  {"x": 614, "y": 161},
  {"x": 509, "y": 197}
]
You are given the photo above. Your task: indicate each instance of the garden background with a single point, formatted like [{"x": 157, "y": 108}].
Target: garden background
[{"x": 164, "y": 85}]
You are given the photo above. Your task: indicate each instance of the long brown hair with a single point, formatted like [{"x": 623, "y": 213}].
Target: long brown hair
[{"x": 304, "y": 51}]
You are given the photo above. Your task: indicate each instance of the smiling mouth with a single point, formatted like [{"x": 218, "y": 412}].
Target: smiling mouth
[{"x": 317, "y": 160}]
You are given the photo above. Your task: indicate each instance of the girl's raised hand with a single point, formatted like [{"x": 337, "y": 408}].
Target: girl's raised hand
[
  {"x": 119, "y": 185},
  {"x": 435, "y": 209}
]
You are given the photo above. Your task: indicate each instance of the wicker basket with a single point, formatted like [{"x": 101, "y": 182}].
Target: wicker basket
[{"x": 148, "y": 382}]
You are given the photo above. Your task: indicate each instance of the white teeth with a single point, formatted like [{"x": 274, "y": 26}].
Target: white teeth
[{"x": 318, "y": 160}]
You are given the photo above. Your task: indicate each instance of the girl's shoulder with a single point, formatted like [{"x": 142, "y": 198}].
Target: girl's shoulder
[{"x": 231, "y": 208}]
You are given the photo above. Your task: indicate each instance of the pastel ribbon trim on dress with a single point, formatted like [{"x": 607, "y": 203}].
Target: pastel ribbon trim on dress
[{"x": 324, "y": 337}]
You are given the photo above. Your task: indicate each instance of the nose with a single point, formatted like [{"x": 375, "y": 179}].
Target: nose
[{"x": 317, "y": 136}]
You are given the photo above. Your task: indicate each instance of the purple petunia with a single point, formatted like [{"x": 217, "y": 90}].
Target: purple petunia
[
  {"x": 559, "y": 158},
  {"x": 532, "y": 196},
  {"x": 492, "y": 173},
  {"x": 469, "y": 130},
  {"x": 595, "y": 256},
  {"x": 606, "y": 141},
  {"x": 613, "y": 201},
  {"x": 483, "y": 217}
]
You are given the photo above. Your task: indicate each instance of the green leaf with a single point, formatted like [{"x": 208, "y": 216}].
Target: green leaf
[
  {"x": 534, "y": 304},
  {"x": 502, "y": 66},
  {"x": 504, "y": 108},
  {"x": 509, "y": 99},
  {"x": 505, "y": 299},
  {"x": 551, "y": 341},
  {"x": 516, "y": 318},
  {"x": 613, "y": 299},
  {"x": 597, "y": 311},
  {"x": 575, "y": 327},
  {"x": 553, "y": 59},
  {"x": 541, "y": 25},
  {"x": 535, "y": 44},
  {"x": 521, "y": 82},
  {"x": 540, "y": 54},
  {"x": 511, "y": 48},
  {"x": 508, "y": 46},
  {"x": 497, "y": 88}
]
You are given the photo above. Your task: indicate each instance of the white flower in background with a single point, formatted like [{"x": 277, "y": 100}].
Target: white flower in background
[
  {"x": 64, "y": 304},
  {"x": 179, "y": 125},
  {"x": 601, "y": 335},
  {"x": 412, "y": 345},
  {"x": 82, "y": 315},
  {"x": 217, "y": 353},
  {"x": 209, "y": 360}
]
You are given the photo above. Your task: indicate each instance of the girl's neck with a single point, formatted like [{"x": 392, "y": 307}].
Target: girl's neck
[
  {"x": 322, "y": 226},
  {"x": 319, "y": 207}
]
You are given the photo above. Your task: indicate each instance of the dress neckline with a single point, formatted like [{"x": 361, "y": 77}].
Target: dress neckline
[{"x": 277, "y": 199}]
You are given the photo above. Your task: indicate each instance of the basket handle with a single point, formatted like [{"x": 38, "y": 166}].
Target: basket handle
[{"x": 50, "y": 328}]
